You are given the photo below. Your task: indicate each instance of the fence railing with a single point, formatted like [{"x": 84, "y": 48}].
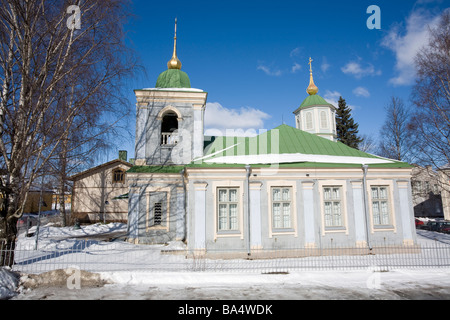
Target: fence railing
[{"x": 98, "y": 256}]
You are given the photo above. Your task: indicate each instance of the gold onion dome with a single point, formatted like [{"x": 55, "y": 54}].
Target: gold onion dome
[
  {"x": 312, "y": 88},
  {"x": 174, "y": 63}
]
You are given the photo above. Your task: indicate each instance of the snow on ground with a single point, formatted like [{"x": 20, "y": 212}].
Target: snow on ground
[
  {"x": 8, "y": 283},
  {"x": 426, "y": 283}
]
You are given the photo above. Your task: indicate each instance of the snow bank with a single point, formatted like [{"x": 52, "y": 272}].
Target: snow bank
[{"x": 8, "y": 283}]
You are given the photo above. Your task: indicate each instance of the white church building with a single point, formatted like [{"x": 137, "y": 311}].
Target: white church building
[{"x": 283, "y": 188}]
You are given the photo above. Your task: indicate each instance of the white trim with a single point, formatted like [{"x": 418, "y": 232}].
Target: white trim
[
  {"x": 229, "y": 184},
  {"x": 291, "y": 158},
  {"x": 173, "y": 89},
  {"x": 169, "y": 108},
  {"x": 334, "y": 183},
  {"x": 390, "y": 185},
  {"x": 147, "y": 209},
  {"x": 288, "y": 184}
]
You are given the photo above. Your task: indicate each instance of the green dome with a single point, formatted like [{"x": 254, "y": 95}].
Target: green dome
[
  {"x": 314, "y": 100},
  {"x": 173, "y": 78}
]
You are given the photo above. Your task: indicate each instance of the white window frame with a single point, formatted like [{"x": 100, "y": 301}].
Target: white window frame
[
  {"x": 234, "y": 184},
  {"x": 323, "y": 119},
  {"x": 286, "y": 184},
  {"x": 230, "y": 225},
  {"x": 382, "y": 183},
  {"x": 336, "y": 202},
  {"x": 383, "y": 218},
  {"x": 342, "y": 185},
  {"x": 311, "y": 122},
  {"x": 284, "y": 223},
  {"x": 165, "y": 216}
]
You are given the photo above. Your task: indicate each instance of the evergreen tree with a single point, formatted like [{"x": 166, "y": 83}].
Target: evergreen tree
[{"x": 347, "y": 129}]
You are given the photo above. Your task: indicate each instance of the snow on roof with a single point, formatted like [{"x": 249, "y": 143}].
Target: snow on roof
[
  {"x": 175, "y": 89},
  {"x": 295, "y": 158}
]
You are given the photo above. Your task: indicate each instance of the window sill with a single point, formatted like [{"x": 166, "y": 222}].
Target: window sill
[
  {"x": 225, "y": 234},
  {"x": 383, "y": 227},
  {"x": 154, "y": 228},
  {"x": 283, "y": 230},
  {"x": 335, "y": 229}
]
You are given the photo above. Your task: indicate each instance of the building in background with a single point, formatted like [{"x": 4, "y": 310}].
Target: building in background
[
  {"x": 444, "y": 176},
  {"x": 426, "y": 193},
  {"x": 38, "y": 200},
  {"x": 100, "y": 193}
]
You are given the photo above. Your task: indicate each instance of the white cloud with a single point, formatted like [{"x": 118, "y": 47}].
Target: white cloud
[
  {"x": 241, "y": 121},
  {"x": 361, "y": 92},
  {"x": 325, "y": 65},
  {"x": 267, "y": 70},
  {"x": 296, "y": 67},
  {"x": 295, "y": 52},
  {"x": 357, "y": 69},
  {"x": 332, "y": 97},
  {"x": 405, "y": 42}
]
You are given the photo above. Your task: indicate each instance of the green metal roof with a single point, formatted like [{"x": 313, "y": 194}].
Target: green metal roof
[
  {"x": 173, "y": 78},
  {"x": 313, "y": 100},
  {"x": 287, "y": 141}
]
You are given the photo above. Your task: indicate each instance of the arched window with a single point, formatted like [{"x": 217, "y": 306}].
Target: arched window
[
  {"x": 169, "y": 129},
  {"x": 309, "y": 121},
  {"x": 323, "y": 120}
]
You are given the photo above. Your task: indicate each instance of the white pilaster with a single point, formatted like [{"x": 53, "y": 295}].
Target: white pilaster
[
  {"x": 200, "y": 215},
  {"x": 406, "y": 212},
  {"x": 255, "y": 215},
  {"x": 308, "y": 209},
  {"x": 359, "y": 214}
]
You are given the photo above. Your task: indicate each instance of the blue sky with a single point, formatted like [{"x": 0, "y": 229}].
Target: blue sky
[{"x": 252, "y": 56}]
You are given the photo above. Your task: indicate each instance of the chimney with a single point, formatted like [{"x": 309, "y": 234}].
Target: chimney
[{"x": 123, "y": 155}]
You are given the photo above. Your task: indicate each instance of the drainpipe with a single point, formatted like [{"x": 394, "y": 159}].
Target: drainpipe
[
  {"x": 184, "y": 203},
  {"x": 248, "y": 170},
  {"x": 365, "y": 167}
]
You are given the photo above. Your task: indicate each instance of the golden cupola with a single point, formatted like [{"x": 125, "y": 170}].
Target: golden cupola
[
  {"x": 174, "y": 63},
  {"x": 312, "y": 88}
]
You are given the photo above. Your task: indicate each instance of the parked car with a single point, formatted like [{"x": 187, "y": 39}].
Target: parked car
[
  {"x": 446, "y": 229},
  {"x": 438, "y": 226},
  {"x": 27, "y": 218},
  {"x": 419, "y": 223},
  {"x": 27, "y": 221}
]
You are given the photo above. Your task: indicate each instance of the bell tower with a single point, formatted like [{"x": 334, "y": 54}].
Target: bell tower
[{"x": 169, "y": 118}]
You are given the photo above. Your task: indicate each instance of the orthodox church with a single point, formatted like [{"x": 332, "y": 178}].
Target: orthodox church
[{"x": 287, "y": 187}]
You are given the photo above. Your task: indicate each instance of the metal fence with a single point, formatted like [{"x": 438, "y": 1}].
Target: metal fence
[{"x": 100, "y": 256}]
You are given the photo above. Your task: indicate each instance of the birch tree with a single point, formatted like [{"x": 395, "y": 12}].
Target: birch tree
[
  {"x": 61, "y": 65},
  {"x": 431, "y": 96},
  {"x": 396, "y": 141}
]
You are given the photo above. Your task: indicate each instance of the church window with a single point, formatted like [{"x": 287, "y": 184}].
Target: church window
[
  {"x": 157, "y": 213},
  {"x": 281, "y": 208},
  {"x": 118, "y": 176},
  {"x": 309, "y": 121},
  {"x": 323, "y": 120},
  {"x": 332, "y": 196},
  {"x": 169, "y": 129},
  {"x": 228, "y": 209},
  {"x": 380, "y": 205}
]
